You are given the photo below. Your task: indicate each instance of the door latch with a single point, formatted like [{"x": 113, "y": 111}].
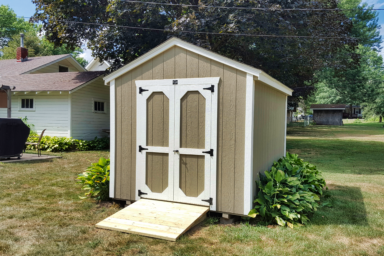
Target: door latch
[
  {"x": 141, "y": 148},
  {"x": 141, "y": 90},
  {"x": 212, "y": 88},
  {"x": 142, "y": 193},
  {"x": 210, "y": 201},
  {"x": 210, "y": 152},
  {"x": 176, "y": 151}
]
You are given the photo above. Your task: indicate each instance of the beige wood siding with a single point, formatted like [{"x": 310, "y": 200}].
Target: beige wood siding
[
  {"x": 269, "y": 127},
  {"x": 157, "y": 171},
  {"x": 192, "y": 174},
  {"x": 158, "y": 120},
  {"x": 180, "y": 63},
  {"x": 192, "y": 121}
]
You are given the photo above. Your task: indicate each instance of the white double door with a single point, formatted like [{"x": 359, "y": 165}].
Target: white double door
[{"x": 176, "y": 140}]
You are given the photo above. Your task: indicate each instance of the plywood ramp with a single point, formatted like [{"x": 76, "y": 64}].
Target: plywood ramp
[{"x": 158, "y": 219}]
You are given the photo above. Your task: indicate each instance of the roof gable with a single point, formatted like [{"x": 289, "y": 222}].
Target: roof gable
[
  {"x": 12, "y": 67},
  {"x": 261, "y": 75}
]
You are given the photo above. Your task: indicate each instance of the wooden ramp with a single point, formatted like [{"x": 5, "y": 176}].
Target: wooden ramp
[{"x": 158, "y": 219}]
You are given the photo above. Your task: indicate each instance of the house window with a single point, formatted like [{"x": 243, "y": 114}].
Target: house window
[
  {"x": 99, "y": 106},
  {"x": 63, "y": 69},
  {"x": 27, "y": 104}
]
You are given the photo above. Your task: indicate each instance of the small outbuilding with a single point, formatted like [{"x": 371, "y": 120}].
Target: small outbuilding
[
  {"x": 328, "y": 114},
  {"x": 191, "y": 126}
]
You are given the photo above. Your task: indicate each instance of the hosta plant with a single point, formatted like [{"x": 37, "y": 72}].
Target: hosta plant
[
  {"x": 288, "y": 193},
  {"x": 95, "y": 180}
]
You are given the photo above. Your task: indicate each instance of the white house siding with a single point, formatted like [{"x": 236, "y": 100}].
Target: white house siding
[
  {"x": 51, "y": 112},
  {"x": 98, "y": 67},
  {"x": 86, "y": 124}
]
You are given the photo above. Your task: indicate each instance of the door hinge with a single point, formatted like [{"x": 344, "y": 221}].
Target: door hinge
[
  {"x": 141, "y": 90},
  {"x": 175, "y": 82},
  {"x": 141, "y": 148},
  {"x": 142, "y": 193},
  {"x": 210, "y": 152},
  {"x": 212, "y": 88},
  {"x": 210, "y": 201}
]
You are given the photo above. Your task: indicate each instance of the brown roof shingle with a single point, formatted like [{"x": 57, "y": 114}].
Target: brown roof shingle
[
  {"x": 65, "y": 81},
  {"x": 12, "y": 67},
  {"x": 328, "y": 106}
]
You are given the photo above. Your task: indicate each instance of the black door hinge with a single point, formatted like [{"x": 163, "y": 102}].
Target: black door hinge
[
  {"x": 141, "y": 90},
  {"x": 210, "y": 201},
  {"x": 212, "y": 88},
  {"x": 141, "y": 148},
  {"x": 210, "y": 152},
  {"x": 175, "y": 82},
  {"x": 142, "y": 193}
]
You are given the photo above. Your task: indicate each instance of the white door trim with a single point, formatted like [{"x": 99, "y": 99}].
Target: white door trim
[
  {"x": 141, "y": 123},
  {"x": 210, "y": 117},
  {"x": 248, "y": 153},
  {"x": 112, "y": 138},
  {"x": 184, "y": 81}
]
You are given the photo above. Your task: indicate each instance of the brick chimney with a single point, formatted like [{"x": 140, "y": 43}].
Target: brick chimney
[{"x": 21, "y": 52}]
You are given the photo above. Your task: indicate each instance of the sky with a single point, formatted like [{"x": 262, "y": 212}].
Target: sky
[{"x": 26, "y": 8}]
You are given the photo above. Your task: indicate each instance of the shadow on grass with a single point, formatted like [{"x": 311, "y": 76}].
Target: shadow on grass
[{"x": 348, "y": 208}]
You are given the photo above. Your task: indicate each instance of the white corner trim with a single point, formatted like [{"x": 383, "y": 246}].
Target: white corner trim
[
  {"x": 203, "y": 52},
  {"x": 70, "y": 115},
  {"x": 112, "y": 140},
  {"x": 285, "y": 123},
  {"x": 248, "y": 156},
  {"x": 184, "y": 81}
]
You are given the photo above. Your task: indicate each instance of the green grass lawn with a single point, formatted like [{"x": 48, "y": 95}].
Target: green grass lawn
[{"x": 40, "y": 213}]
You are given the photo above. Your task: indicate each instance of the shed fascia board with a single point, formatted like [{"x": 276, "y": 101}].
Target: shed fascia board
[
  {"x": 201, "y": 51},
  {"x": 327, "y": 108},
  {"x": 69, "y": 57}
]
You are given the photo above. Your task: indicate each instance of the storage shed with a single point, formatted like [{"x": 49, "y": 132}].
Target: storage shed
[
  {"x": 328, "y": 114},
  {"x": 191, "y": 126}
]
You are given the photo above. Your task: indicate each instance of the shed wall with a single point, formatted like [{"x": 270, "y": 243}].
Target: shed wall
[
  {"x": 177, "y": 63},
  {"x": 269, "y": 127},
  {"x": 328, "y": 117}
]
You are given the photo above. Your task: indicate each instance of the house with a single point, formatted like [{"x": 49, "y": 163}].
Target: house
[
  {"x": 96, "y": 65},
  {"x": 353, "y": 112},
  {"x": 189, "y": 125},
  {"x": 328, "y": 114},
  {"x": 56, "y": 93}
]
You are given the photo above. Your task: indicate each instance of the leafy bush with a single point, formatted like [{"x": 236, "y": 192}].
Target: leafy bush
[
  {"x": 60, "y": 144},
  {"x": 357, "y": 121},
  {"x": 289, "y": 192},
  {"x": 95, "y": 180},
  {"x": 31, "y": 126}
]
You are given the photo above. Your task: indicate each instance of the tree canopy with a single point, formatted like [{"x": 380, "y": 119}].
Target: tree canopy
[
  {"x": 11, "y": 25},
  {"x": 304, "y": 42}
]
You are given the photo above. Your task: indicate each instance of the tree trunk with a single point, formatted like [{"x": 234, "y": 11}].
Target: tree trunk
[
  {"x": 381, "y": 119},
  {"x": 350, "y": 110}
]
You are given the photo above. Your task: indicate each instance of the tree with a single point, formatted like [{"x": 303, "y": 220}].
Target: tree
[
  {"x": 10, "y": 25},
  {"x": 292, "y": 60},
  {"x": 39, "y": 46}
]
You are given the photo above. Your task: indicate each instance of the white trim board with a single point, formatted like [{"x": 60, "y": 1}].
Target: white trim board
[
  {"x": 248, "y": 153},
  {"x": 112, "y": 136},
  {"x": 262, "y": 76}
]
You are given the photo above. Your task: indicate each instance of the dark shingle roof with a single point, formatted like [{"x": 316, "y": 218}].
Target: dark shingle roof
[
  {"x": 65, "y": 81},
  {"x": 12, "y": 67},
  {"x": 328, "y": 106}
]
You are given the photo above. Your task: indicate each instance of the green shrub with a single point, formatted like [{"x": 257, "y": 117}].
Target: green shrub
[
  {"x": 357, "y": 121},
  {"x": 31, "y": 126},
  {"x": 289, "y": 192},
  {"x": 60, "y": 144},
  {"x": 95, "y": 180}
]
